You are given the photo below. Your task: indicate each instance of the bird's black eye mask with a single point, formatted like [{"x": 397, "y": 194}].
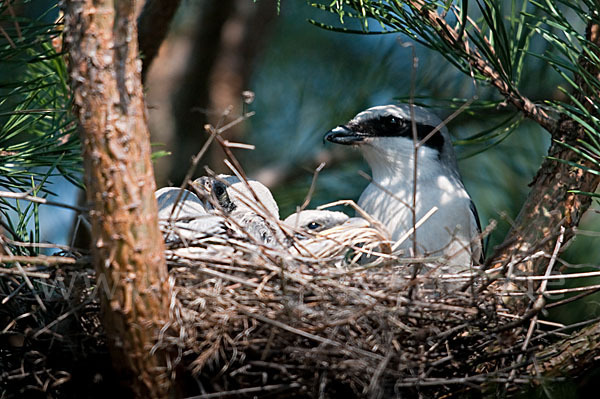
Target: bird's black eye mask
[{"x": 393, "y": 126}]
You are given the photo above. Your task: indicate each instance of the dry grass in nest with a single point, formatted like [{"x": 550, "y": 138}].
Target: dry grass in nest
[
  {"x": 348, "y": 319},
  {"x": 328, "y": 322}
]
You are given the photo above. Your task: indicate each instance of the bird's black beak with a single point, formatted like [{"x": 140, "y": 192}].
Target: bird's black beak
[{"x": 343, "y": 135}]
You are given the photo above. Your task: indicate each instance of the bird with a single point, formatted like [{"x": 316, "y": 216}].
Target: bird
[
  {"x": 233, "y": 194},
  {"x": 315, "y": 220},
  {"x": 214, "y": 194},
  {"x": 185, "y": 215},
  {"x": 236, "y": 200},
  {"x": 329, "y": 235},
  {"x": 384, "y": 136}
]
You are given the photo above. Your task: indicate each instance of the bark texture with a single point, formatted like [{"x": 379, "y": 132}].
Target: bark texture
[
  {"x": 570, "y": 357},
  {"x": 551, "y": 203},
  {"x": 126, "y": 242}
]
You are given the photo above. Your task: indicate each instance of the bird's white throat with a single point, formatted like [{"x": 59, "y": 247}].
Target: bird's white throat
[
  {"x": 392, "y": 160},
  {"x": 389, "y": 198}
]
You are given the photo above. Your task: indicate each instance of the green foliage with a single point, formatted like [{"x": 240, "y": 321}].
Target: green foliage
[
  {"x": 295, "y": 108},
  {"x": 482, "y": 140},
  {"x": 38, "y": 139},
  {"x": 500, "y": 33},
  {"x": 159, "y": 153},
  {"x": 493, "y": 45}
]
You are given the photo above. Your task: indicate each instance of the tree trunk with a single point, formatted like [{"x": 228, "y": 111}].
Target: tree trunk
[
  {"x": 126, "y": 242},
  {"x": 228, "y": 40},
  {"x": 153, "y": 26},
  {"x": 551, "y": 202}
]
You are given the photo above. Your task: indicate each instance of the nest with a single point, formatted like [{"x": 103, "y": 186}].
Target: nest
[{"x": 333, "y": 314}]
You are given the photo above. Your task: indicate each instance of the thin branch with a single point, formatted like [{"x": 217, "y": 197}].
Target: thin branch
[
  {"x": 540, "y": 302},
  {"x": 4, "y": 270},
  {"x": 310, "y": 336},
  {"x": 477, "y": 62},
  {"x": 7, "y": 37},
  {"x": 572, "y": 299},
  {"x": 26, "y": 197},
  {"x": 38, "y": 260},
  {"x": 311, "y": 190},
  {"x": 24, "y": 274}
]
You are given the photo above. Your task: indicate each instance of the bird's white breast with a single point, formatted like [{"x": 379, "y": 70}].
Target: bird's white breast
[{"x": 390, "y": 198}]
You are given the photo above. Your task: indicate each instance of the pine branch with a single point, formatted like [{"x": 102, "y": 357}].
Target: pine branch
[
  {"x": 37, "y": 138},
  {"x": 556, "y": 195},
  {"x": 457, "y": 41},
  {"x": 485, "y": 55},
  {"x": 485, "y": 52},
  {"x": 560, "y": 191}
]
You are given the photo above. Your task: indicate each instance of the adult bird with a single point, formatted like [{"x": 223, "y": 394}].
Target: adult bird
[{"x": 385, "y": 135}]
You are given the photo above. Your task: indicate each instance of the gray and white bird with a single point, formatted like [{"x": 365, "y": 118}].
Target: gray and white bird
[
  {"x": 335, "y": 235},
  {"x": 213, "y": 194},
  {"x": 233, "y": 195},
  {"x": 236, "y": 200},
  {"x": 315, "y": 220},
  {"x": 384, "y": 136},
  {"x": 181, "y": 212}
]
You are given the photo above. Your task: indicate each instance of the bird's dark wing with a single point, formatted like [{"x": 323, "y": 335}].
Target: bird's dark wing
[{"x": 476, "y": 216}]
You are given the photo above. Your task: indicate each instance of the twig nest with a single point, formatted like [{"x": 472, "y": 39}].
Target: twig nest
[{"x": 326, "y": 309}]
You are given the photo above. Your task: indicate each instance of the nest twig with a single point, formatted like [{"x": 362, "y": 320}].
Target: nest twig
[{"x": 332, "y": 321}]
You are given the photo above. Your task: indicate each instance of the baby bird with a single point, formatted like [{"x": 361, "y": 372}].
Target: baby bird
[
  {"x": 182, "y": 213},
  {"x": 315, "y": 220},
  {"x": 237, "y": 201}
]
